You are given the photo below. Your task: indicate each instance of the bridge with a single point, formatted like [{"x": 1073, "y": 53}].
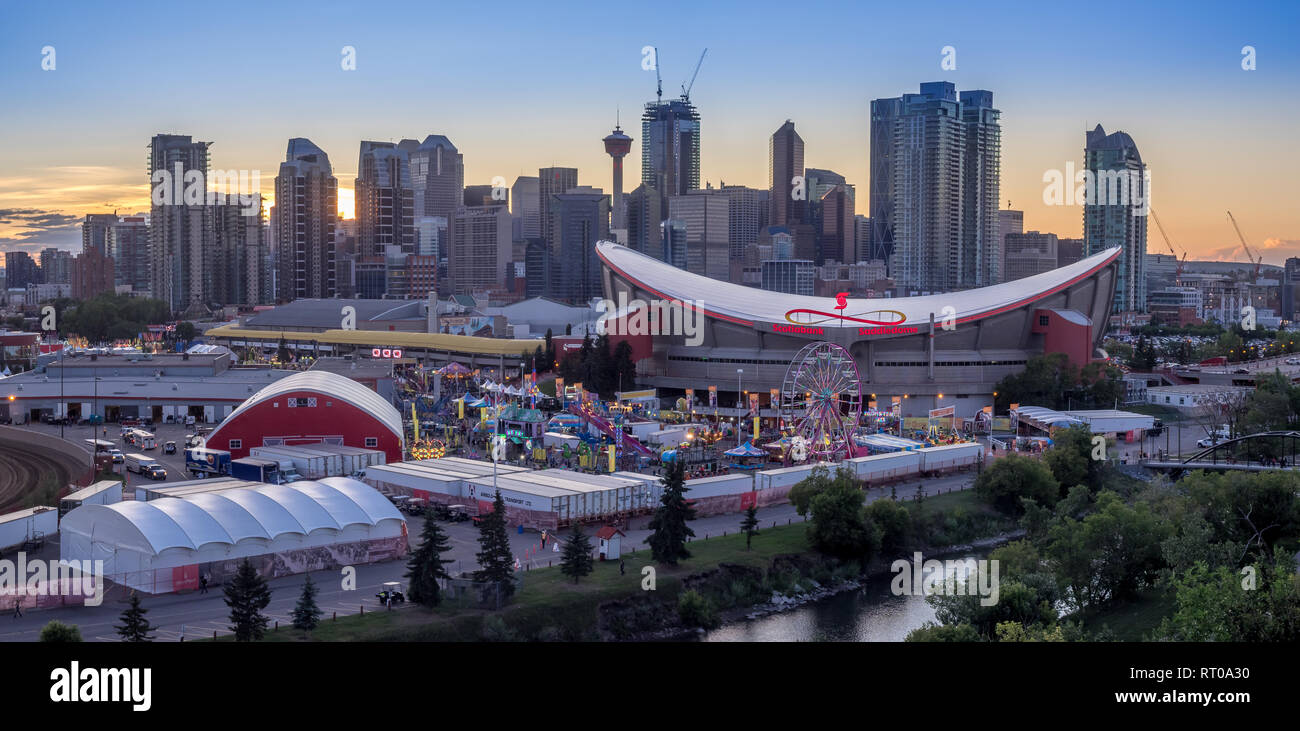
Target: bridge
[{"x": 1260, "y": 452}]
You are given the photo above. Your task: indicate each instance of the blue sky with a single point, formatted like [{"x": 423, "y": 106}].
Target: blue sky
[{"x": 518, "y": 85}]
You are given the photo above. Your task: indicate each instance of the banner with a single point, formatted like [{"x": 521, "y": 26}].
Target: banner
[
  {"x": 613, "y": 463},
  {"x": 942, "y": 412},
  {"x": 713, "y": 397},
  {"x": 753, "y": 404},
  {"x": 756, "y": 420},
  {"x": 690, "y": 399},
  {"x": 774, "y": 398},
  {"x": 559, "y": 389}
]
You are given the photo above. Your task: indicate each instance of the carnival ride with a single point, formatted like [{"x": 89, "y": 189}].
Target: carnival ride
[{"x": 821, "y": 401}]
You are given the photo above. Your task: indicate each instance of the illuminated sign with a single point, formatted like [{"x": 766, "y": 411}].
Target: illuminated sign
[
  {"x": 385, "y": 353},
  {"x": 888, "y": 317}
]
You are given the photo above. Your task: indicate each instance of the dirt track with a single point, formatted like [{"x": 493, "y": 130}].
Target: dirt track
[{"x": 25, "y": 460}]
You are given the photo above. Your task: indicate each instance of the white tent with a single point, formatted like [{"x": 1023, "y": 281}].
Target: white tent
[{"x": 162, "y": 545}]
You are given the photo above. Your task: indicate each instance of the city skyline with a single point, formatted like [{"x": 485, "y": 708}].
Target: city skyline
[{"x": 58, "y": 165}]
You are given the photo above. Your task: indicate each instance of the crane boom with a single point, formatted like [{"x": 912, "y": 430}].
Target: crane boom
[
  {"x": 659, "y": 82},
  {"x": 1250, "y": 256},
  {"x": 1178, "y": 272},
  {"x": 686, "y": 88}
]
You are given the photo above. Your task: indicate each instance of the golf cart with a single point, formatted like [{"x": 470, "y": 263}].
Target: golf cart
[
  {"x": 414, "y": 506},
  {"x": 457, "y": 513},
  {"x": 392, "y": 590}
]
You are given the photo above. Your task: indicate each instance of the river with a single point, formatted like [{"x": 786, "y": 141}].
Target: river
[{"x": 869, "y": 614}]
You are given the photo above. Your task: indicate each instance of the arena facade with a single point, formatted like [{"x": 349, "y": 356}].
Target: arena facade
[{"x": 931, "y": 351}]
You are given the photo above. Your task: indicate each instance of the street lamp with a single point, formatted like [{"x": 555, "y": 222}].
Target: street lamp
[{"x": 739, "y": 372}]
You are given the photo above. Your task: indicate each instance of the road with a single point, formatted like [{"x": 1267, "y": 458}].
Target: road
[{"x": 200, "y": 615}]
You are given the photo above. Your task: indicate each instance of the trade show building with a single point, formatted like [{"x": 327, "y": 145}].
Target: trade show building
[{"x": 164, "y": 545}]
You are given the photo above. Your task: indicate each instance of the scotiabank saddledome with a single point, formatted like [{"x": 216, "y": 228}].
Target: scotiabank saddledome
[{"x": 937, "y": 350}]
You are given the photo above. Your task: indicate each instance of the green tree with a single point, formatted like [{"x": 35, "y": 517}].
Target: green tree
[
  {"x": 247, "y": 595},
  {"x": 895, "y": 522},
  {"x": 1014, "y": 477},
  {"x": 839, "y": 525},
  {"x": 1260, "y": 603},
  {"x": 185, "y": 331},
  {"x": 1256, "y": 511},
  {"x": 695, "y": 610},
  {"x": 135, "y": 626},
  {"x": 427, "y": 566},
  {"x": 932, "y": 632},
  {"x": 623, "y": 366},
  {"x": 1045, "y": 381},
  {"x": 306, "y": 614},
  {"x": 549, "y": 352},
  {"x": 669, "y": 531},
  {"x": 56, "y": 631},
  {"x": 576, "y": 558},
  {"x": 817, "y": 482},
  {"x": 749, "y": 525},
  {"x": 282, "y": 353},
  {"x": 1109, "y": 555},
  {"x": 1070, "y": 459},
  {"x": 495, "y": 559}
]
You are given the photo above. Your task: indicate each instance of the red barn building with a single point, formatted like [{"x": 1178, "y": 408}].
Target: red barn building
[{"x": 314, "y": 407}]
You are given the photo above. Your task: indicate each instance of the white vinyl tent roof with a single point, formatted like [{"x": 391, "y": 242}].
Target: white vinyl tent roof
[{"x": 230, "y": 516}]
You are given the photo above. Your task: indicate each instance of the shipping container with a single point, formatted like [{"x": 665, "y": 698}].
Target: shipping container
[
  {"x": 787, "y": 477},
  {"x": 256, "y": 469},
  {"x": 888, "y": 466},
  {"x": 556, "y": 440},
  {"x": 950, "y": 456},
  {"x": 30, "y": 524},
  {"x": 104, "y": 492},
  {"x": 732, "y": 484},
  {"x": 309, "y": 463}
]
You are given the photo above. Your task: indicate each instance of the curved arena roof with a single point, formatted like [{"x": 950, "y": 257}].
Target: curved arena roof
[
  {"x": 335, "y": 386},
  {"x": 747, "y": 305},
  {"x": 461, "y": 344},
  {"x": 230, "y": 516}
]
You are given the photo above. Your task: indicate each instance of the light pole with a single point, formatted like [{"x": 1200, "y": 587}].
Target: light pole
[{"x": 739, "y": 372}]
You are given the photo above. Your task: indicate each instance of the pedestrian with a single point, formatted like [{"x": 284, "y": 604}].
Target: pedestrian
[
  {"x": 621, "y": 567},
  {"x": 18, "y": 608}
]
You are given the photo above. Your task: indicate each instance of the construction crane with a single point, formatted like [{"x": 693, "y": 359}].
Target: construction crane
[
  {"x": 659, "y": 82},
  {"x": 1249, "y": 255},
  {"x": 1178, "y": 272},
  {"x": 686, "y": 88}
]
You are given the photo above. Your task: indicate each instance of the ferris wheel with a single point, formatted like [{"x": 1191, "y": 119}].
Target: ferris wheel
[{"x": 821, "y": 399}]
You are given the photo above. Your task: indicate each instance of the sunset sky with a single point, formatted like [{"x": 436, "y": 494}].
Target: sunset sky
[{"x": 521, "y": 85}]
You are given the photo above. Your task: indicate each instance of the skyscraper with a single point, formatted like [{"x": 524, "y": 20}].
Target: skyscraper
[
  {"x": 707, "y": 219},
  {"x": 92, "y": 274},
  {"x": 20, "y": 270},
  {"x": 551, "y": 182},
  {"x": 670, "y": 146},
  {"x": 526, "y": 207},
  {"x": 56, "y": 266},
  {"x": 934, "y": 174},
  {"x": 480, "y": 248},
  {"x": 232, "y": 268},
  {"x": 579, "y": 218},
  {"x": 94, "y": 231},
  {"x": 785, "y": 163},
  {"x": 128, "y": 245},
  {"x": 747, "y": 214},
  {"x": 438, "y": 182},
  {"x": 180, "y": 229},
  {"x": 617, "y": 145},
  {"x": 1115, "y": 211},
  {"x": 385, "y": 209},
  {"x": 304, "y": 218},
  {"x": 645, "y": 216}
]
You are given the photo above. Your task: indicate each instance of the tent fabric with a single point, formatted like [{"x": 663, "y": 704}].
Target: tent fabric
[
  {"x": 227, "y": 517},
  {"x": 745, "y": 450}
]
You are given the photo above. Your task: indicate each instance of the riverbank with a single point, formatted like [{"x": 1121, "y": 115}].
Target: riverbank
[{"x": 779, "y": 572}]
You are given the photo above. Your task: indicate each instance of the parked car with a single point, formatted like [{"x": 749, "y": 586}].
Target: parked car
[
  {"x": 1207, "y": 442},
  {"x": 1293, "y": 361},
  {"x": 1240, "y": 370}
]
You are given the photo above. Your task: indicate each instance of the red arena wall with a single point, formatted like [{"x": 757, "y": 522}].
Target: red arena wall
[{"x": 331, "y": 420}]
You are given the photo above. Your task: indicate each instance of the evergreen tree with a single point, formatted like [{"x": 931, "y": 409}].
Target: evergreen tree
[
  {"x": 568, "y": 328},
  {"x": 539, "y": 361},
  {"x": 134, "y": 627},
  {"x": 749, "y": 526},
  {"x": 496, "y": 561},
  {"x": 306, "y": 615},
  {"x": 577, "y": 561},
  {"x": 282, "y": 353},
  {"x": 247, "y": 595},
  {"x": 550, "y": 351},
  {"x": 624, "y": 366},
  {"x": 669, "y": 530},
  {"x": 426, "y": 566}
]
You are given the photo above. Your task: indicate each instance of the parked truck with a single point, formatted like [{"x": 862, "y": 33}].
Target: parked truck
[
  {"x": 104, "y": 492},
  {"x": 143, "y": 464},
  {"x": 256, "y": 469},
  {"x": 203, "y": 462},
  {"x": 306, "y": 461}
]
